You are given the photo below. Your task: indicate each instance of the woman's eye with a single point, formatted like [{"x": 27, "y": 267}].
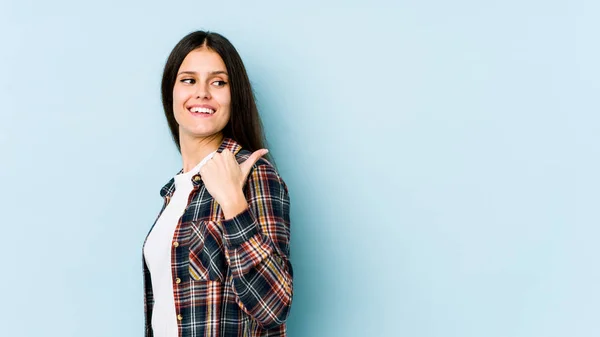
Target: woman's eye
[
  {"x": 188, "y": 80},
  {"x": 220, "y": 83}
]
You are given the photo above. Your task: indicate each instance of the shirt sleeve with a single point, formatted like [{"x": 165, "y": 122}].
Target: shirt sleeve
[{"x": 257, "y": 248}]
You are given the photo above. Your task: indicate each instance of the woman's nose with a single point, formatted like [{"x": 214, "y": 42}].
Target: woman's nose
[{"x": 202, "y": 91}]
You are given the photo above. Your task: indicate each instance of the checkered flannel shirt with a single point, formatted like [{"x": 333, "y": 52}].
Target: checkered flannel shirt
[{"x": 230, "y": 277}]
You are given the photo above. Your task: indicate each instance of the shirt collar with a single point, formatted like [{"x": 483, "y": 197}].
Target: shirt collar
[{"x": 227, "y": 143}]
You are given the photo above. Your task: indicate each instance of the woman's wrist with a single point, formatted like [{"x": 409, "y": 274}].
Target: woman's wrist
[{"x": 234, "y": 206}]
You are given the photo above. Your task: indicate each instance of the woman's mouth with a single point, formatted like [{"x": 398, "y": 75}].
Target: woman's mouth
[{"x": 201, "y": 111}]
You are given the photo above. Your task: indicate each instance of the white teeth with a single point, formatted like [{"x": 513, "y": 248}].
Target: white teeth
[{"x": 202, "y": 110}]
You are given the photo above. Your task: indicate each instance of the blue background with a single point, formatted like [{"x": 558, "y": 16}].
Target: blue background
[{"x": 442, "y": 158}]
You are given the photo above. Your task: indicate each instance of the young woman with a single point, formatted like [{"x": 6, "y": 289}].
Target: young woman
[{"x": 216, "y": 261}]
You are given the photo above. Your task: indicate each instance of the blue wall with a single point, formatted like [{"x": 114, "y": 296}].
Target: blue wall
[{"x": 442, "y": 158}]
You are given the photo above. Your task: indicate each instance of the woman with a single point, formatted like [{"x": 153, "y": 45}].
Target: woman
[{"x": 216, "y": 260}]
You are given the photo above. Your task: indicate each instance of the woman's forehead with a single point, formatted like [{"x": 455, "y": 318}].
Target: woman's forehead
[{"x": 203, "y": 61}]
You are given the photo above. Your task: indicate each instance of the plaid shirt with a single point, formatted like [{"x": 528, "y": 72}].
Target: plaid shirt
[{"x": 230, "y": 277}]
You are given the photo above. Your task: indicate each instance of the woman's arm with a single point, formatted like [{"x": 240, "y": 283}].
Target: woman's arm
[{"x": 257, "y": 248}]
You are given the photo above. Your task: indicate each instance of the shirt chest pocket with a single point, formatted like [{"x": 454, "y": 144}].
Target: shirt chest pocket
[{"x": 207, "y": 254}]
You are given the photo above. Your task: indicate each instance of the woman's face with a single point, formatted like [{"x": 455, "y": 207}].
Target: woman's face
[{"x": 201, "y": 95}]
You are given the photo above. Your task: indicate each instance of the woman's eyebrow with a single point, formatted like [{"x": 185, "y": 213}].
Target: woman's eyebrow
[{"x": 216, "y": 72}]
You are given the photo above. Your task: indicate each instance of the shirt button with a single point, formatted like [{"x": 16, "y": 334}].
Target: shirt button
[
  {"x": 178, "y": 280},
  {"x": 175, "y": 244},
  {"x": 179, "y": 317}
]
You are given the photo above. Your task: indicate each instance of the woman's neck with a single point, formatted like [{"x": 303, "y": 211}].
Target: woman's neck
[{"x": 193, "y": 150}]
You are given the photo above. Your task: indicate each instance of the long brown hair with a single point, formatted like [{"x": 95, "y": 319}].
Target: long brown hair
[{"x": 244, "y": 125}]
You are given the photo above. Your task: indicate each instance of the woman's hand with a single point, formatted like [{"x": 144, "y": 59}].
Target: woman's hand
[{"x": 224, "y": 179}]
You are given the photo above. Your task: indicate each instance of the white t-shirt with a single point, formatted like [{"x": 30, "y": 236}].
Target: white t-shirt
[{"x": 157, "y": 252}]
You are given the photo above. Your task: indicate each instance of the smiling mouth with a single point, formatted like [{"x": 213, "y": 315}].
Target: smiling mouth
[{"x": 202, "y": 111}]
